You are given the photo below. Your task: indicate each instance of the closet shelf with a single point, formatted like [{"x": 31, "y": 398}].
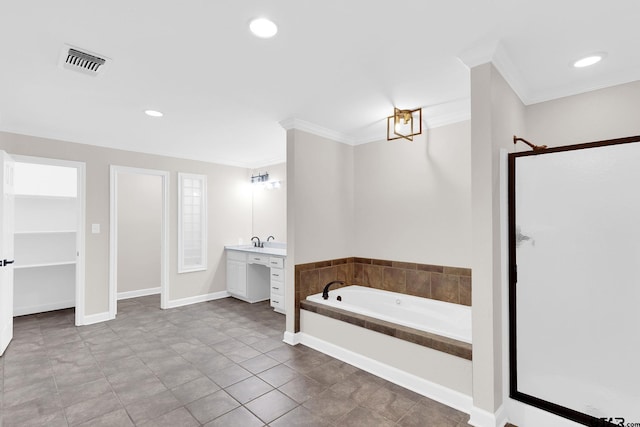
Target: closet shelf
[
  {"x": 44, "y": 232},
  {"x": 43, "y": 197},
  {"x": 47, "y": 264}
]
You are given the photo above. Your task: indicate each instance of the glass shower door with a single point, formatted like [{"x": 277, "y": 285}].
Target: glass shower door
[{"x": 575, "y": 281}]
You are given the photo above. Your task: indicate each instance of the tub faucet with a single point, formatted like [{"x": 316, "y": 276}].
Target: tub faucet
[
  {"x": 325, "y": 291},
  {"x": 271, "y": 237},
  {"x": 257, "y": 244}
]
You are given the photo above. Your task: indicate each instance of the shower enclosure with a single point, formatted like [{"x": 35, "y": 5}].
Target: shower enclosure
[{"x": 574, "y": 302}]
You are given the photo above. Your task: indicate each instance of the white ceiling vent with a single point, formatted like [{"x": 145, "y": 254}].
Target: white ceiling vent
[{"x": 83, "y": 61}]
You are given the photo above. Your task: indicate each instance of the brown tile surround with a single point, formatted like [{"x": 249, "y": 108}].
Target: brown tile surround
[
  {"x": 450, "y": 284},
  {"x": 436, "y": 342}
]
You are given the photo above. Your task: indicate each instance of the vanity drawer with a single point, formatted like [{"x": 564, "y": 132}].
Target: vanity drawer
[
  {"x": 277, "y": 288},
  {"x": 277, "y": 274},
  {"x": 276, "y": 262},
  {"x": 258, "y": 259},
  {"x": 277, "y": 301},
  {"x": 237, "y": 256}
]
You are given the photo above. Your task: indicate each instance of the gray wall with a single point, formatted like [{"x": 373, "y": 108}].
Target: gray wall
[
  {"x": 139, "y": 231},
  {"x": 413, "y": 199},
  {"x": 229, "y": 211},
  {"x": 270, "y": 206},
  {"x": 496, "y": 115}
]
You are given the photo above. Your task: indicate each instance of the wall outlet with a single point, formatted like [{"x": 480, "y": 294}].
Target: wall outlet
[{"x": 95, "y": 228}]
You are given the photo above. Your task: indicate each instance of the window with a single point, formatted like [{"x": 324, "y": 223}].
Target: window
[{"x": 192, "y": 222}]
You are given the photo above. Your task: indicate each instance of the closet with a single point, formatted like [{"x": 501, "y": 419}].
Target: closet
[{"x": 46, "y": 239}]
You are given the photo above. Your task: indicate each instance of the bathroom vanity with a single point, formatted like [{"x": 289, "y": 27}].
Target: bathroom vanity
[{"x": 257, "y": 274}]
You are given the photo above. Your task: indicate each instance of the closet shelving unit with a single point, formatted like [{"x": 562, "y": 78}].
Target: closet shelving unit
[{"x": 45, "y": 249}]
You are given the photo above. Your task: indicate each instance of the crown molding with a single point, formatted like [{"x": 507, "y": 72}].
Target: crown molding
[
  {"x": 495, "y": 53},
  {"x": 293, "y": 123},
  {"x": 432, "y": 118},
  {"x": 479, "y": 54},
  {"x": 449, "y": 118},
  {"x": 502, "y": 61}
]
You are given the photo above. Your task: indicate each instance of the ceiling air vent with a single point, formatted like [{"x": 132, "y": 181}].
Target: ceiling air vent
[{"x": 85, "y": 62}]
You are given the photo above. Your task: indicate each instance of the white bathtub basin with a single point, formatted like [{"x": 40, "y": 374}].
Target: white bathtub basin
[{"x": 437, "y": 317}]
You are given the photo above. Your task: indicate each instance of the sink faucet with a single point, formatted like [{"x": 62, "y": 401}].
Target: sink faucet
[
  {"x": 271, "y": 237},
  {"x": 257, "y": 244},
  {"x": 325, "y": 291}
]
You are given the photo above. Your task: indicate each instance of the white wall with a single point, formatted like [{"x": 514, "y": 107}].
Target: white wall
[
  {"x": 229, "y": 199},
  {"x": 413, "y": 199},
  {"x": 139, "y": 231},
  {"x": 270, "y": 205}
]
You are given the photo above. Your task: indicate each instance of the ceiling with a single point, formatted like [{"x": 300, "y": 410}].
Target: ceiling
[{"x": 337, "y": 65}]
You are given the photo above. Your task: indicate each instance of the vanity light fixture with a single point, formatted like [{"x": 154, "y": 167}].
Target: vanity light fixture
[
  {"x": 263, "y": 28},
  {"x": 260, "y": 178},
  {"x": 404, "y": 124}
]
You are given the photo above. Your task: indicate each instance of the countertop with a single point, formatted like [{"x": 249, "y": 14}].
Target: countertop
[{"x": 269, "y": 250}]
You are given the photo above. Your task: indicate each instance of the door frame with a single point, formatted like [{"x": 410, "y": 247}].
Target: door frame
[
  {"x": 113, "y": 234},
  {"x": 80, "y": 233}
]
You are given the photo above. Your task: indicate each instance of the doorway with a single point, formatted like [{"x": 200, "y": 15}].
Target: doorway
[
  {"x": 49, "y": 236},
  {"x": 138, "y": 235}
]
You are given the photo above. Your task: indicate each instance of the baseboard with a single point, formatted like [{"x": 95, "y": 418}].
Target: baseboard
[
  {"x": 291, "y": 338},
  {"x": 5, "y": 338},
  {"x": 196, "y": 299},
  {"x": 22, "y": 311},
  {"x": 138, "y": 293},
  {"x": 444, "y": 395},
  {"x": 481, "y": 418},
  {"x": 95, "y": 318}
]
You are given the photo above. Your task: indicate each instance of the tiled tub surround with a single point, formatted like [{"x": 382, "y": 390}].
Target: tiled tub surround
[{"x": 449, "y": 284}]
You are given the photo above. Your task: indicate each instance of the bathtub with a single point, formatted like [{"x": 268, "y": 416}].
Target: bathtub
[{"x": 436, "y": 317}]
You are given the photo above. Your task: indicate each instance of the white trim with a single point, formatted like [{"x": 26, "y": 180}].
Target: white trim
[
  {"x": 502, "y": 61},
  {"x": 96, "y": 318},
  {"x": 479, "y": 54},
  {"x": 113, "y": 234},
  {"x": 291, "y": 338},
  {"x": 442, "y": 394},
  {"x": 449, "y": 118},
  {"x": 80, "y": 226},
  {"x": 41, "y": 308},
  {"x": 139, "y": 293},
  {"x": 293, "y": 123},
  {"x": 481, "y": 418},
  {"x": 196, "y": 299}
]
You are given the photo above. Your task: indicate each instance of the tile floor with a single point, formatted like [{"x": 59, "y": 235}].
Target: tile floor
[{"x": 220, "y": 363}]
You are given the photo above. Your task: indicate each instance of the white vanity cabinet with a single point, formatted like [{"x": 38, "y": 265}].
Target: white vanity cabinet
[
  {"x": 277, "y": 284},
  {"x": 237, "y": 273},
  {"x": 254, "y": 276}
]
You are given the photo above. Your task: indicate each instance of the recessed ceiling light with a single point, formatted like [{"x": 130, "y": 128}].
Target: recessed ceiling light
[
  {"x": 588, "y": 60},
  {"x": 153, "y": 113},
  {"x": 263, "y": 28}
]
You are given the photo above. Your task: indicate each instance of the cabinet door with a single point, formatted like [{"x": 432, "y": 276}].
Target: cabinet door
[{"x": 237, "y": 277}]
